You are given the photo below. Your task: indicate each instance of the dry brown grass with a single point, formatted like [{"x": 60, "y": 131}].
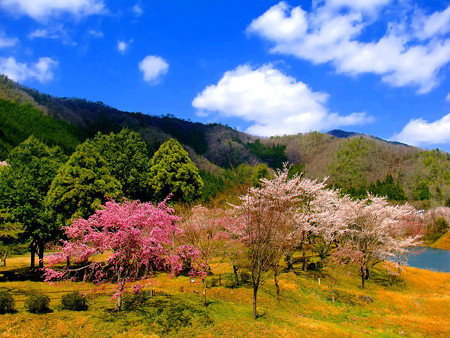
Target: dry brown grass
[{"x": 416, "y": 306}]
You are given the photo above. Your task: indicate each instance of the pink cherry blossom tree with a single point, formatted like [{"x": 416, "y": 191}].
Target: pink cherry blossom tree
[
  {"x": 376, "y": 231},
  {"x": 205, "y": 230},
  {"x": 270, "y": 219},
  {"x": 135, "y": 237}
]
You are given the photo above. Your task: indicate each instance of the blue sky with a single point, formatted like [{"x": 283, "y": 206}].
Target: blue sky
[{"x": 379, "y": 67}]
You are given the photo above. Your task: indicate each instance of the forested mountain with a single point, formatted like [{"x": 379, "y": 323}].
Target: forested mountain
[{"x": 353, "y": 161}]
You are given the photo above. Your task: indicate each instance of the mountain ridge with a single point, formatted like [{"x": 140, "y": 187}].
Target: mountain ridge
[{"x": 349, "y": 158}]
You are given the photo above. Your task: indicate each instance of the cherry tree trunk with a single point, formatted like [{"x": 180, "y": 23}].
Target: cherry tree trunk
[
  {"x": 364, "y": 272},
  {"x": 277, "y": 286},
  {"x": 121, "y": 286},
  {"x": 204, "y": 292},
  {"x": 255, "y": 295}
]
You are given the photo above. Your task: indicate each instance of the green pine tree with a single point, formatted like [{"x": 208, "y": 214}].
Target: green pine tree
[
  {"x": 127, "y": 159},
  {"x": 81, "y": 186},
  {"x": 173, "y": 172}
]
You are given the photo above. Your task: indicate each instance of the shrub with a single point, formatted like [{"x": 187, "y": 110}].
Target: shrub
[
  {"x": 213, "y": 281},
  {"x": 6, "y": 302},
  {"x": 245, "y": 277},
  {"x": 230, "y": 280},
  {"x": 38, "y": 304},
  {"x": 132, "y": 302},
  {"x": 169, "y": 314},
  {"x": 74, "y": 302}
]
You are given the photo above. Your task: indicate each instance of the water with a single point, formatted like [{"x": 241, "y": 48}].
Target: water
[{"x": 430, "y": 259}]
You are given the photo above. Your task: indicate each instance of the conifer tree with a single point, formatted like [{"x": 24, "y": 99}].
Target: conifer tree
[
  {"x": 127, "y": 159},
  {"x": 173, "y": 172},
  {"x": 81, "y": 186}
]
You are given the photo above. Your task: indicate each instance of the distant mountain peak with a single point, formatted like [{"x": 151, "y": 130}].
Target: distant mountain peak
[{"x": 343, "y": 134}]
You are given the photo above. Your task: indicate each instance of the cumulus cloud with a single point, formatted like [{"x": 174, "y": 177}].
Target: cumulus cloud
[
  {"x": 420, "y": 132},
  {"x": 273, "y": 102},
  {"x": 122, "y": 46},
  {"x": 6, "y": 42},
  {"x": 42, "y": 70},
  {"x": 407, "y": 54},
  {"x": 153, "y": 67},
  {"x": 43, "y": 9}
]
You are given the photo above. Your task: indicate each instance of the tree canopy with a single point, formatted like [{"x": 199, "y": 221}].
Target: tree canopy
[
  {"x": 24, "y": 185},
  {"x": 173, "y": 172},
  {"x": 136, "y": 237},
  {"x": 127, "y": 159},
  {"x": 81, "y": 185}
]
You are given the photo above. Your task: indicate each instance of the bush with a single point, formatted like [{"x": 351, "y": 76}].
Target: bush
[
  {"x": 38, "y": 304},
  {"x": 6, "y": 302},
  {"x": 245, "y": 277},
  {"x": 230, "y": 280},
  {"x": 213, "y": 281},
  {"x": 169, "y": 314},
  {"x": 132, "y": 302},
  {"x": 74, "y": 302}
]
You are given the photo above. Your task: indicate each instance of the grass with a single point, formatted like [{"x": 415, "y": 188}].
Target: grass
[
  {"x": 415, "y": 305},
  {"x": 443, "y": 242}
]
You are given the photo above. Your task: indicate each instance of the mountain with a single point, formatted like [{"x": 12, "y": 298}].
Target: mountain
[
  {"x": 349, "y": 159},
  {"x": 342, "y": 134}
]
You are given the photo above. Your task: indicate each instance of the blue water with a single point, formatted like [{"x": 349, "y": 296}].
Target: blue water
[{"x": 430, "y": 259}]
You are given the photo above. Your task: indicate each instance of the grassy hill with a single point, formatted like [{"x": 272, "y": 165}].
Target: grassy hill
[{"x": 415, "y": 305}]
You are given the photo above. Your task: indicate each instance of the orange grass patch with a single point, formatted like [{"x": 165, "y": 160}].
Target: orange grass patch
[{"x": 443, "y": 242}]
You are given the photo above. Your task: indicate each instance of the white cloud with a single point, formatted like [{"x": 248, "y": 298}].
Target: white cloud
[
  {"x": 153, "y": 67},
  {"x": 420, "y": 132},
  {"x": 437, "y": 23},
  {"x": 96, "y": 34},
  {"x": 42, "y": 70},
  {"x": 43, "y": 9},
  {"x": 41, "y": 33},
  {"x": 55, "y": 31},
  {"x": 137, "y": 10},
  {"x": 275, "y": 103},
  {"x": 334, "y": 32},
  {"x": 122, "y": 46},
  {"x": 447, "y": 98},
  {"x": 6, "y": 42}
]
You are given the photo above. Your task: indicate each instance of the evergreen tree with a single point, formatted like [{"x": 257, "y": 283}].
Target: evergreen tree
[
  {"x": 389, "y": 188},
  {"x": 81, "y": 186},
  {"x": 421, "y": 192},
  {"x": 23, "y": 188},
  {"x": 127, "y": 159},
  {"x": 172, "y": 171}
]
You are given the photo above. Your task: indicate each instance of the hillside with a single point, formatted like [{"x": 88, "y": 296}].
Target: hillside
[
  {"x": 357, "y": 161},
  {"x": 352, "y": 161},
  {"x": 414, "y": 305}
]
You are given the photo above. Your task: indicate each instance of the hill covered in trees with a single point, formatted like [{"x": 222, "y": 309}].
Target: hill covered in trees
[{"x": 355, "y": 162}]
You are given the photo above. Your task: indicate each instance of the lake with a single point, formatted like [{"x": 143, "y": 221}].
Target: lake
[{"x": 430, "y": 259}]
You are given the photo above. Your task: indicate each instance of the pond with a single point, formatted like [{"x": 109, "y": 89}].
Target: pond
[{"x": 430, "y": 259}]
